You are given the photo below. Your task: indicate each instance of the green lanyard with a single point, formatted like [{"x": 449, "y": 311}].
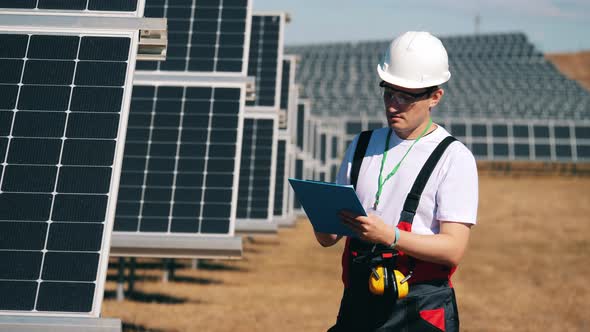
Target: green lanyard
[{"x": 381, "y": 183}]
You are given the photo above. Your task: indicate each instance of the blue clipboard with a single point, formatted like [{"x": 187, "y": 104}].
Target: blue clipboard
[{"x": 322, "y": 201}]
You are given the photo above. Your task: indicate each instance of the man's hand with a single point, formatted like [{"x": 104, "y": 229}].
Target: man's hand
[{"x": 371, "y": 228}]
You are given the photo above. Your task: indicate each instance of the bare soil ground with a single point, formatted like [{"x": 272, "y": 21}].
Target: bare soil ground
[
  {"x": 526, "y": 269},
  {"x": 576, "y": 66}
]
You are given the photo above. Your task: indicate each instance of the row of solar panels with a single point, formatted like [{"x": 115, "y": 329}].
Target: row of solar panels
[{"x": 169, "y": 165}]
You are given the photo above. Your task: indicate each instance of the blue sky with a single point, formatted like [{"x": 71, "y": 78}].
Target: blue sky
[{"x": 552, "y": 26}]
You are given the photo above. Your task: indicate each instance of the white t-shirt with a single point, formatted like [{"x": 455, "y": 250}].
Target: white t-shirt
[{"x": 451, "y": 193}]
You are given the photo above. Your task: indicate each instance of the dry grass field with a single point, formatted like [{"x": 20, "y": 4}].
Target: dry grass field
[
  {"x": 526, "y": 269},
  {"x": 573, "y": 65}
]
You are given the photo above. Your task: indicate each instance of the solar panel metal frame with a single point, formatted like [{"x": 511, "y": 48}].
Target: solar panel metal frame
[
  {"x": 291, "y": 98},
  {"x": 187, "y": 245},
  {"x": 72, "y": 12},
  {"x": 126, "y": 28},
  {"x": 279, "y": 70},
  {"x": 260, "y": 226},
  {"x": 285, "y": 218},
  {"x": 245, "y": 55}
]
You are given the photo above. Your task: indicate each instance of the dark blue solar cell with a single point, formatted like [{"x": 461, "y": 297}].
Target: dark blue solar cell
[
  {"x": 44, "y": 98},
  {"x": 8, "y": 95},
  {"x": 88, "y": 152},
  {"x": 480, "y": 149},
  {"x": 75, "y": 236},
  {"x": 499, "y": 130},
  {"x": 104, "y": 48},
  {"x": 126, "y": 224},
  {"x": 79, "y": 208},
  {"x": 522, "y": 151},
  {"x": 188, "y": 194},
  {"x": 154, "y": 224},
  {"x": 563, "y": 151},
  {"x": 34, "y": 151},
  {"x": 21, "y": 178},
  {"x": 582, "y": 132},
  {"x": 92, "y": 125},
  {"x": 216, "y": 210},
  {"x": 184, "y": 226},
  {"x": 158, "y": 194},
  {"x": 17, "y": 295},
  {"x": 91, "y": 180},
  {"x": 65, "y": 297},
  {"x": 53, "y": 47},
  {"x": 215, "y": 226},
  {"x": 101, "y": 73},
  {"x": 113, "y": 5},
  {"x": 14, "y": 46},
  {"x": 20, "y": 265},
  {"x": 39, "y": 124},
  {"x": 11, "y": 71},
  {"x": 500, "y": 150},
  {"x": 49, "y": 72},
  {"x": 478, "y": 130},
  {"x": 186, "y": 210},
  {"x": 69, "y": 266},
  {"x": 225, "y": 136},
  {"x": 542, "y": 151},
  {"x": 15, "y": 206},
  {"x": 541, "y": 131},
  {"x": 520, "y": 131},
  {"x": 583, "y": 151},
  {"x": 562, "y": 132},
  {"x": 22, "y": 235},
  {"x": 61, "y": 4},
  {"x": 97, "y": 99}
]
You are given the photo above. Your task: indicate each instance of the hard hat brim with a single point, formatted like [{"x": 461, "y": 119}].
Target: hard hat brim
[{"x": 398, "y": 81}]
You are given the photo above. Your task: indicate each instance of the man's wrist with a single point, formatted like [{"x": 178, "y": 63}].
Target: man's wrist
[
  {"x": 392, "y": 244},
  {"x": 389, "y": 237}
]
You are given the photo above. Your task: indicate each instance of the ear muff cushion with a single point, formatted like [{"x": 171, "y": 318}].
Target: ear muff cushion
[
  {"x": 377, "y": 286},
  {"x": 402, "y": 289}
]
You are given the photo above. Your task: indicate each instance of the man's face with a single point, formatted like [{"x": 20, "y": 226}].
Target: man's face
[{"x": 404, "y": 111}]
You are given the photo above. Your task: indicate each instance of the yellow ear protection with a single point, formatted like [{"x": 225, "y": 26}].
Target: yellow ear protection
[{"x": 383, "y": 280}]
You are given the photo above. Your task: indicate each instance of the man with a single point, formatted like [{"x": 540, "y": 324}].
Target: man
[{"x": 420, "y": 190}]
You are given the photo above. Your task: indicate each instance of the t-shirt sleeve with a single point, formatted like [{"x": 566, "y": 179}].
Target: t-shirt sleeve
[
  {"x": 343, "y": 176},
  {"x": 457, "y": 195}
]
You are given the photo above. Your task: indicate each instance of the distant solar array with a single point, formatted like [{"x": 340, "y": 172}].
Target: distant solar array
[
  {"x": 541, "y": 115},
  {"x": 61, "y": 107}
]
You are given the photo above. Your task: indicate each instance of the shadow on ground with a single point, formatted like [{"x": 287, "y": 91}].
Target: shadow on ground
[
  {"x": 128, "y": 327},
  {"x": 147, "y": 297}
]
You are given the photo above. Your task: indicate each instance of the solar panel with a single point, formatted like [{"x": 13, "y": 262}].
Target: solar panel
[
  {"x": 181, "y": 157},
  {"x": 257, "y": 173},
  {"x": 203, "y": 35},
  {"x": 63, "y": 110},
  {"x": 266, "y": 58},
  {"x": 80, "y": 6}
]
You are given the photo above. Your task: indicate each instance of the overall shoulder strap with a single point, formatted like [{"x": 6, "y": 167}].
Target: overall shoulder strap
[
  {"x": 359, "y": 154},
  {"x": 413, "y": 198}
]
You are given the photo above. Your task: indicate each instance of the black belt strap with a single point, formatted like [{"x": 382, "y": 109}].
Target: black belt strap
[
  {"x": 413, "y": 198},
  {"x": 359, "y": 154}
]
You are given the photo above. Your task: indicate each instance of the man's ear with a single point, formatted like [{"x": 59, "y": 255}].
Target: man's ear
[{"x": 436, "y": 97}]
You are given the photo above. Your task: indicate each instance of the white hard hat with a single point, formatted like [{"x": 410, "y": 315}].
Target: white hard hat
[{"x": 415, "y": 60}]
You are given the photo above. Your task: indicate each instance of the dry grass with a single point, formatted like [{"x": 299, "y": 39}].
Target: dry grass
[
  {"x": 576, "y": 66},
  {"x": 526, "y": 270}
]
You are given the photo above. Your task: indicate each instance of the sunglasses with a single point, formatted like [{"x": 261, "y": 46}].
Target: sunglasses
[{"x": 391, "y": 94}]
